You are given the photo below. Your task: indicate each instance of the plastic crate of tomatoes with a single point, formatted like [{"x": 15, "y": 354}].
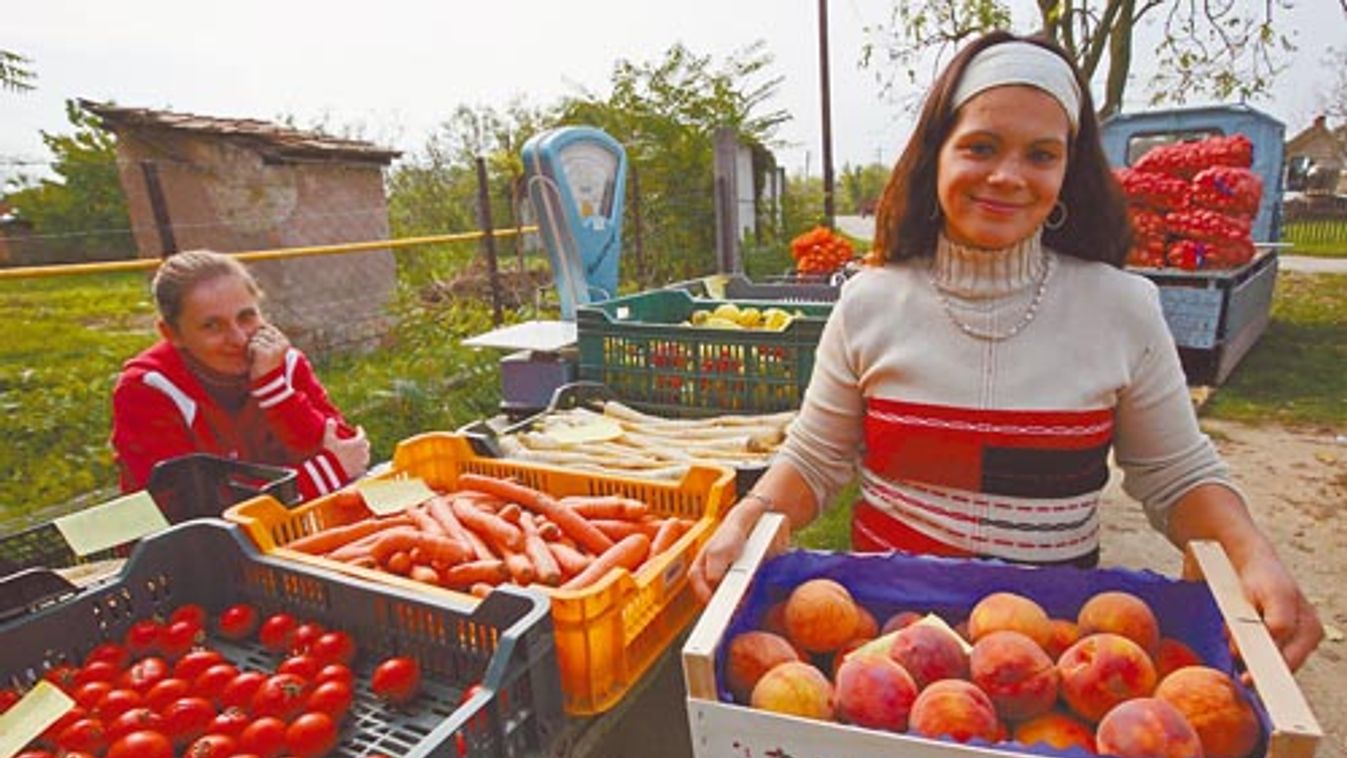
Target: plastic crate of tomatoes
[{"x": 203, "y": 646}]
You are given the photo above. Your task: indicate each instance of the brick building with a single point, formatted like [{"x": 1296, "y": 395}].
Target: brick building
[{"x": 237, "y": 185}]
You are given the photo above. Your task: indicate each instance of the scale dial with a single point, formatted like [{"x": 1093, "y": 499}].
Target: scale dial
[{"x": 591, "y": 171}]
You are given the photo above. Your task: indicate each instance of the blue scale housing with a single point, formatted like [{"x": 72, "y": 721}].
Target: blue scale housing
[{"x": 577, "y": 180}]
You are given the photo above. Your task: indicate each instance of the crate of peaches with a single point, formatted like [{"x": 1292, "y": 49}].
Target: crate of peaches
[
  {"x": 610, "y": 552},
  {"x": 204, "y": 647},
  {"x": 825, "y": 654}
]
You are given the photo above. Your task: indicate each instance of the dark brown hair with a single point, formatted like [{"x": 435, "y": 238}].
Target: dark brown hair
[
  {"x": 183, "y": 271},
  {"x": 907, "y": 219}
]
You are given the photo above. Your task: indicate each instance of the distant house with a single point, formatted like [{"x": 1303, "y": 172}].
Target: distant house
[
  {"x": 1316, "y": 159},
  {"x": 242, "y": 184}
]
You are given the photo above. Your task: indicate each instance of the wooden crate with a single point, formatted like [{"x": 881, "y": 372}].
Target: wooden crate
[{"x": 727, "y": 730}]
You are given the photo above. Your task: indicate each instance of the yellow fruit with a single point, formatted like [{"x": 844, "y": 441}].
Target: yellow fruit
[
  {"x": 699, "y": 317},
  {"x": 749, "y": 317},
  {"x": 727, "y": 311}
]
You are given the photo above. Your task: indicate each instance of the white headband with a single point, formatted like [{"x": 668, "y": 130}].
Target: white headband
[{"x": 1021, "y": 63}]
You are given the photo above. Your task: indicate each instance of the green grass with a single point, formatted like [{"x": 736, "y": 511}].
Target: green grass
[
  {"x": 1297, "y": 372},
  {"x": 1321, "y": 238}
]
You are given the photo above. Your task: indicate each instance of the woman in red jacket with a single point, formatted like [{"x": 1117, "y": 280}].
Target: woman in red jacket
[{"x": 224, "y": 381}]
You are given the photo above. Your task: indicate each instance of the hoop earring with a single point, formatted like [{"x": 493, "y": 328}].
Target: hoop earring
[{"x": 1049, "y": 223}]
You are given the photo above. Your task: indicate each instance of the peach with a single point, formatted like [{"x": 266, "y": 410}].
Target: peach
[
  {"x": 751, "y": 655},
  {"x": 867, "y": 628},
  {"x": 1008, "y": 612},
  {"x": 1213, "y": 704},
  {"x": 795, "y": 688},
  {"x": 840, "y": 656},
  {"x": 899, "y": 620},
  {"x": 1015, "y": 673},
  {"x": 1064, "y": 635},
  {"x": 820, "y": 616},
  {"x": 874, "y": 692},
  {"x": 929, "y": 654},
  {"x": 1147, "y": 727},
  {"x": 1173, "y": 655},
  {"x": 1055, "y": 729},
  {"x": 956, "y": 709},
  {"x": 1120, "y": 613},
  {"x": 774, "y": 620},
  {"x": 1101, "y": 671}
]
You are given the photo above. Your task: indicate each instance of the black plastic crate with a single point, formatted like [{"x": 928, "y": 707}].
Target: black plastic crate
[
  {"x": 187, "y": 487},
  {"x": 505, "y": 642},
  {"x": 485, "y": 438}
]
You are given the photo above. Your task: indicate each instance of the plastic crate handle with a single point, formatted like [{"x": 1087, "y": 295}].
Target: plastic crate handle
[{"x": 203, "y": 484}]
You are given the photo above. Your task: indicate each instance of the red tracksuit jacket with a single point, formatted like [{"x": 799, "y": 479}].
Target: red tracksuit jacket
[{"x": 161, "y": 411}]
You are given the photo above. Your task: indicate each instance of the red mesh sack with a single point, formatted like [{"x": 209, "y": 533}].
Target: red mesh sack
[{"x": 1230, "y": 190}]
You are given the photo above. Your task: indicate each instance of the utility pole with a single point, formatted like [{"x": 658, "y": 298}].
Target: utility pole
[{"x": 829, "y": 211}]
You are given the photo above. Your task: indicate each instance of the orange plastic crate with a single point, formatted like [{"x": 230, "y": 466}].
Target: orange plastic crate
[{"x": 608, "y": 634}]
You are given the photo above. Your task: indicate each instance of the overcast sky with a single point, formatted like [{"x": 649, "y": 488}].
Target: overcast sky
[{"x": 397, "y": 68}]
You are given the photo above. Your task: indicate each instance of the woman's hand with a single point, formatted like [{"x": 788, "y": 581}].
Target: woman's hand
[
  {"x": 710, "y": 565},
  {"x": 266, "y": 350},
  {"x": 1287, "y": 613},
  {"x": 351, "y": 452}
]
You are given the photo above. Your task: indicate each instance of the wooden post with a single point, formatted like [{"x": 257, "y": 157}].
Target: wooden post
[
  {"x": 829, "y": 209},
  {"x": 488, "y": 240},
  {"x": 159, "y": 206}
]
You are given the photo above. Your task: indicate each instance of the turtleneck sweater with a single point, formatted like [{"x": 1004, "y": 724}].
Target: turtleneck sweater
[{"x": 1096, "y": 345}]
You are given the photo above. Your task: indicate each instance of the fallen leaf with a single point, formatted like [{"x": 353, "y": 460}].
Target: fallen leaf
[{"x": 1328, "y": 458}]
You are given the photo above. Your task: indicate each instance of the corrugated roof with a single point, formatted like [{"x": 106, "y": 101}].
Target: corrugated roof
[{"x": 275, "y": 141}]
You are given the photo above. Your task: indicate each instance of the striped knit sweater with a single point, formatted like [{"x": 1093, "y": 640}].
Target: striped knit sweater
[{"x": 999, "y": 447}]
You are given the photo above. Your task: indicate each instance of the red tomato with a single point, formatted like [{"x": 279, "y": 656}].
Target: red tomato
[
  {"x": 187, "y": 718},
  {"x": 86, "y": 735},
  {"x": 212, "y": 746},
  {"x": 36, "y": 754},
  {"x": 117, "y": 702},
  {"x": 305, "y": 635},
  {"x": 265, "y": 737},
  {"x": 302, "y": 665},
  {"x": 190, "y": 612},
  {"x": 332, "y": 698},
  {"x": 277, "y": 632},
  {"x": 230, "y": 721},
  {"x": 7, "y": 699},
  {"x": 396, "y": 680},
  {"x": 89, "y": 693},
  {"x": 97, "y": 671},
  {"x": 281, "y": 695},
  {"x": 212, "y": 682},
  {"x": 146, "y": 744},
  {"x": 311, "y": 735},
  {"x": 134, "y": 720},
  {"x": 190, "y": 666},
  {"x": 62, "y": 676},
  {"x": 239, "y": 692},
  {"x": 75, "y": 713},
  {"x": 335, "y": 672},
  {"x": 166, "y": 691},
  {"x": 143, "y": 637},
  {"x": 178, "y": 638},
  {"x": 144, "y": 674},
  {"x": 334, "y": 647},
  {"x": 237, "y": 622}
]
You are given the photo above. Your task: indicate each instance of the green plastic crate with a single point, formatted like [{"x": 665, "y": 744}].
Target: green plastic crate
[{"x": 639, "y": 347}]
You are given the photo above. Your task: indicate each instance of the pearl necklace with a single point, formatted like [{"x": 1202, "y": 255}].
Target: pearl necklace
[{"x": 1024, "y": 321}]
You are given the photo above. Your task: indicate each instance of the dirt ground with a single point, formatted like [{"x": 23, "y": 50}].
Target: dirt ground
[{"x": 1296, "y": 484}]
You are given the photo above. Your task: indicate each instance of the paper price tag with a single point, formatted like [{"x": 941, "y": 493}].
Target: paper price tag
[
  {"x": 385, "y": 496},
  {"x": 113, "y": 523},
  {"x": 31, "y": 716}
]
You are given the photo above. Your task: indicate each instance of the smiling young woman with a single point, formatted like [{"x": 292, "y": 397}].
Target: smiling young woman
[
  {"x": 978, "y": 377},
  {"x": 225, "y": 381}
]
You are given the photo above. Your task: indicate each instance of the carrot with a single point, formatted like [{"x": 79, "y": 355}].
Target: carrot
[
  {"x": 441, "y": 511},
  {"x": 398, "y": 563},
  {"x": 497, "y": 532},
  {"x": 550, "y": 531},
  {"x": 365, "y": 561},
  {"x": 522, "y": 571},
  {"x": 481, "y": 589},
  {"x": 572, "y": 523},
  {"x": 535, "y": 547},
  {"x": 629, "y": 553},
  {"x": 606, "y": 506},
  {"x": 424, "y": 522},
  {"x": 361, "y": 547},
  {"x": 570, "y": 560},
  {"x": 423, "y": 573},
  {"x": 433, "y": 548},
  {"x": 510, "y": 512},
  {"x": 330, "y": 539},
  {"x": 475, "y": 572},
  {"x": 669, "y": 532},
  {"x": 616, "y": 529}
]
